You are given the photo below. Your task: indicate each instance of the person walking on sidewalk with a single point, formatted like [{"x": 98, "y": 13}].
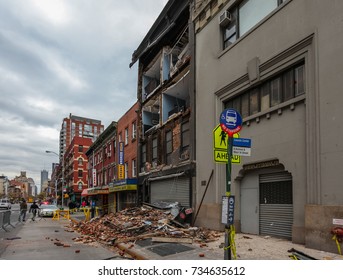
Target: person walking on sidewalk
[
  {"x": 23, "y": 210},
  {"x": 34, "y": 208}
]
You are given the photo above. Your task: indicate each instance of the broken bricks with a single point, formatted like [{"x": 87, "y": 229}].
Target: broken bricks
[{"x": 137, "y": 223}]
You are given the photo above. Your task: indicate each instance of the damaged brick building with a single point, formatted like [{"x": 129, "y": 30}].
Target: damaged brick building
[{"x": 165, "y": 150}]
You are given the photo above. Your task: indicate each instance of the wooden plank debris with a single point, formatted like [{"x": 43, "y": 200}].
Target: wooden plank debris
[{"x": 172, "y": 240}]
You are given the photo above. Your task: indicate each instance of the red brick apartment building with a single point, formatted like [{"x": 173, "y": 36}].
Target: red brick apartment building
[
  {"x": 75, "y": 167},
  {"x": 78, "y": 126},
  {"x": 72, "y": 126},
  {"x": 102, "y": 168},
  {"x": 124, "y": 189},
  {"x": 112, "y": 167}
]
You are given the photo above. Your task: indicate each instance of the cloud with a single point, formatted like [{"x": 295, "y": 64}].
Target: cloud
[{"x": 59, "y": 57}]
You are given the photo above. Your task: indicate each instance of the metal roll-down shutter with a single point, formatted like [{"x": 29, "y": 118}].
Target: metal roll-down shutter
[
  {"x": 276, "y": 204},
  {"x": 176, "y": 189}
]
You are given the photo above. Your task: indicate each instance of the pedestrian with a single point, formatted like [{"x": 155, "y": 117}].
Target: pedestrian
[
  {"x": 92, "y": 208},
  {"x": 23, "y": 210},
  {"x": 83, "y": 204},
  {"x": 34, "y": 208}
]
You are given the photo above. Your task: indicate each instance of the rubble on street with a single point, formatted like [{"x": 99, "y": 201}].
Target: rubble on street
[{"x": 139, "y": 223}]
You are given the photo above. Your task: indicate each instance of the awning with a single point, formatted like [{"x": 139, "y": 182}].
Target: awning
[
  {"x": 94, "y": 191},
  {"x": 84, "y": 192}
]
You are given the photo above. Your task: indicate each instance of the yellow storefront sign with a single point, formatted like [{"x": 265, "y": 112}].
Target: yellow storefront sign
[
  {"x": 121, "y": 170},
  {"x": 123, "y": 188},
  {"x": 220, "y": 142}
]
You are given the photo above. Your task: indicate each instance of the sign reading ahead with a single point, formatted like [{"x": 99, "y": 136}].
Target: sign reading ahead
[{"x": 220, "y": 142}]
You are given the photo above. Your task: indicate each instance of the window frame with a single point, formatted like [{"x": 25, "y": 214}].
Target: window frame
[
  {"x": 265, "y": 92},
  {"x": 134, "y": 130},
  {"x": 154, "y": 148},
  {"x": 185, "y": 134},
  {"x": 235, "y": 22},
  {"x": 126, "y": 133},
  {"x": 168, "y": 145},
  {"x": 134, "y": 168}
]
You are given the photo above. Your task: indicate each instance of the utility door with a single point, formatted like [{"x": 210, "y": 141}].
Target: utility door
[{"x": 249, "y": 205}]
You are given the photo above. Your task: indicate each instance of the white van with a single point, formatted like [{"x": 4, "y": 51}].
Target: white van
[{"x": 5, "y": 203}]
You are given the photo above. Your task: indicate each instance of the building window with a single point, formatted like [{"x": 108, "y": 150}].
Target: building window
[
  {"x": 284, "y": 87},
  {"x": 126, "y": 167},
  {"x": 185, "y": 137},
  {"x": 299, "y": 80},
  {"x": 265, "y": 96},
  {"x": 254, "y": 101},
  {"x": 80, "y": 161},
  {"x": 80, "y": 185},
  {"x": 80, "y": 148},
  {"x": 169, "y": 146},
  {"x": 252, "y": 12},
  {"x": 134, "y": 131},
  {"x": 126, "y": 136},
  {"x": 245, "y": 16},
  {"x": 143, "y": 155},
  {"x": 80, "y": 173},
  {"x": 275, "y": 91},
  {"x": 154, "y": 149},
  {"x": 230, "y": 31},
  {"x": 134, "y": 168}
]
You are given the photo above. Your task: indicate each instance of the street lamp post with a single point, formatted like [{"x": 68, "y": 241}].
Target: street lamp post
[{"x": 52, "y": 152}]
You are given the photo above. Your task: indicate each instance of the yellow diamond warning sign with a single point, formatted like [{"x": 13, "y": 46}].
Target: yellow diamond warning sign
[{"x": 220, "y": 142}]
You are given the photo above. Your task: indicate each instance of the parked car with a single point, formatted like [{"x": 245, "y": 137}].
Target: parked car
[
  {"x": 47, "y": 210},
  {"x": 5, "y": 203}
]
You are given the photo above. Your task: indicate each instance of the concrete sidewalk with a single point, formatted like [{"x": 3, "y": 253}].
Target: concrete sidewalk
[
  {"x": 47, "y": 239},
  {"x": 248, "y": 247}
]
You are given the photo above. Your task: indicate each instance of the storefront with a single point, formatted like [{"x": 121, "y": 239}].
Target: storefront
[
  {"x": 99, "y": 195},
  {"x": 124, "y": 193}
]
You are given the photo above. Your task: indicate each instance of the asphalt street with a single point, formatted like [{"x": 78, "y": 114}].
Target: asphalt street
[{"x": 46, "y": 239}]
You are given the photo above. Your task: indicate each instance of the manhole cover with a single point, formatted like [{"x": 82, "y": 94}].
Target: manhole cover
[
  {"x": 144, "y": 242},
  {"x": 169, "y": 249}
]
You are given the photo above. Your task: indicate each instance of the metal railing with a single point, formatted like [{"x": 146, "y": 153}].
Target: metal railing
[{"x": 5, "y": 220}]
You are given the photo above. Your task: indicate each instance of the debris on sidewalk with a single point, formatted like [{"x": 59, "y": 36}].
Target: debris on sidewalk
[
  {"x": 298, "y": 255},
  {"x": 137, "y": 223}
]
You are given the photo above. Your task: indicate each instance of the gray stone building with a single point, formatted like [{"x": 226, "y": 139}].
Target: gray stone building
[{"x": 279, "y": 64}]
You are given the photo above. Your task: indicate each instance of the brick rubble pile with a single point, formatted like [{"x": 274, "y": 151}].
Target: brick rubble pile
[{"x": 139, "y": 223}]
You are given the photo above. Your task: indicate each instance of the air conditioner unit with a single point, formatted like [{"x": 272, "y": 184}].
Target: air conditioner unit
[{"x": 224, "y": 18}]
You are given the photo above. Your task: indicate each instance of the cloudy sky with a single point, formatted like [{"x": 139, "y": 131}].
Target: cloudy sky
[{"x": 59, "y": 57}]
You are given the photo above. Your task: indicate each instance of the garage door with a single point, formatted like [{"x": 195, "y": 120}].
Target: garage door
[
  {"x": 276, "y": 204},
  {"x": 171, "y": 190}
]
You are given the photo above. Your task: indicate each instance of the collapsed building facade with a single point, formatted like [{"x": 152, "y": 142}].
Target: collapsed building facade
[{"x": 165, "y": 149}]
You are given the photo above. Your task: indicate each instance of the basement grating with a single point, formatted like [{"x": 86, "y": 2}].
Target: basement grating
[{"x": 167, "y": 249}]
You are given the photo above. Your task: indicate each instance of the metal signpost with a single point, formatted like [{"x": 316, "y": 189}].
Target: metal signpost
[{"x": 231, "y": 123}]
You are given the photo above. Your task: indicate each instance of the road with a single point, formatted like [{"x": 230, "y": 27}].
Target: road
[{"x": 46, "y": 239}]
